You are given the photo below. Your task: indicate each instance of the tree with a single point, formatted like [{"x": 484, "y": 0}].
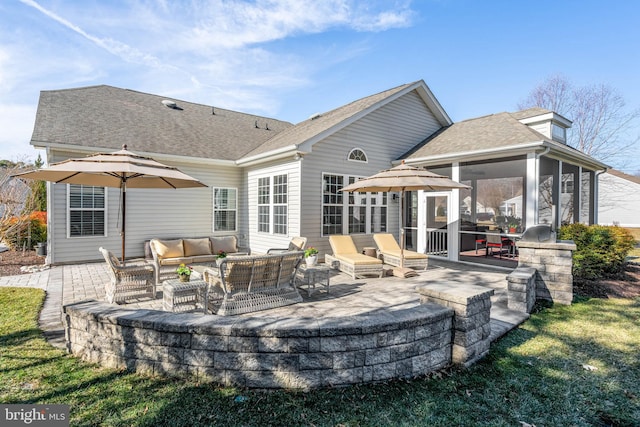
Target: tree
[
  {"x": 603, "y": 127},
  {"x": 18, "y": 206},
  {"x": 37, "y": 200}
]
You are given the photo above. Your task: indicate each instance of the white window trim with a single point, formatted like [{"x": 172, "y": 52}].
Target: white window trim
[
  {"x": 345, "y": 206},
  {"x": 358, "y": 161},
  {"x": 105, "y": 209},
  {"x": 272, "y": 205},
  {"x": 213, "y": 219}
]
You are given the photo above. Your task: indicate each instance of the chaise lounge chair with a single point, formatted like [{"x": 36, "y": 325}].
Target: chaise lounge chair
[
  {"x": 390, "y": 251},
  {"x": 347, "y": 259},
  {"x": 296, "y": 244}
]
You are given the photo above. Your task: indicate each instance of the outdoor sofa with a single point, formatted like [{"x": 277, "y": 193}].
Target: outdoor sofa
[
  {"x": 252, "y": 283},
  {"x": 168, "y": 254},
  {"x": 347, "y": 259},
  {"x": 389, "y": 250}
]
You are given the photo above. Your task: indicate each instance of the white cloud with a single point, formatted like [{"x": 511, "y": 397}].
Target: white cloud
[{"x": 16, "y": 122}]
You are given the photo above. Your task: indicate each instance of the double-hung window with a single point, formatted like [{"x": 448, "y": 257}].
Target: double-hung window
[
  {"x": 86, "y": 207},
  {"x": 225, "y": 208},
  {"x": 272, "y": 204},
  {"x": 351, "y": 213}
]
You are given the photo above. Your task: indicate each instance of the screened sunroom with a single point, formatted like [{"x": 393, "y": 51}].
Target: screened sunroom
[{"x": 527, "y": 180}]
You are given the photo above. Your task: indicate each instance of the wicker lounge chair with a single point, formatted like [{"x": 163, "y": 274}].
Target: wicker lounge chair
[
  {"x": 133, "y": 280},
  {"x": 296, "y": 244},
  {"x": 390, "y": 251},
  {"x": 347, "y": 259},
  {"x": 253, "y": 283}
]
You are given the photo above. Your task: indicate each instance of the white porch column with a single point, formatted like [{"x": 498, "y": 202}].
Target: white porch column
[
  {"x": 532, "y": 188},
  {"x": 454, "y": 217}
]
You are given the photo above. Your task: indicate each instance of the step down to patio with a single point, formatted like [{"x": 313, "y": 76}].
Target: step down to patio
[{"x": 504, "y": 320}]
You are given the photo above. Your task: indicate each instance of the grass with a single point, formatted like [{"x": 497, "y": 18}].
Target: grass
[{"x": 535, "y": 375}]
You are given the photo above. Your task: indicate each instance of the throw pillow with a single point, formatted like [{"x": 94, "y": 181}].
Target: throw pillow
[
  {"x": 193, "y": 247},
  {"x": 168, "y": 248}
]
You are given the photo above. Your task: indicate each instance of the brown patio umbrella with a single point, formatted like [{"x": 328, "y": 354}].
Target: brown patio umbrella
[
  {"x": 121, "y": 169},
  {"x": 403, "y": 178}
]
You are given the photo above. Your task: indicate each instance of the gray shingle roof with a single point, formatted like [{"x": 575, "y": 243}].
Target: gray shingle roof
[
  {"x": 530, "y": 112},
  {"x": 313, "y": 127},
  {"x": 107, "y": 117},
  {"x": 495, "y": 131}
]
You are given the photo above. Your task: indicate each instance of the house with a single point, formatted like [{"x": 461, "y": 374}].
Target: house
[
  {"x": 619, "y": 199},
  {"x": 270, "y": 180}
]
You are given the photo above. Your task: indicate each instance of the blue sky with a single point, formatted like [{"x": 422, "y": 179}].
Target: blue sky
[{"x": 288, "y": 59}]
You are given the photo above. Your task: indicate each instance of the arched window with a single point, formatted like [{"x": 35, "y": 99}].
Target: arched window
[{"x": 357, "y": 155}]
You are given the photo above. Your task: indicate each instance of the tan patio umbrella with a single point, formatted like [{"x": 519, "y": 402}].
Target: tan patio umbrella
[
  {"x": 121, "y": 169},
  {"x": 403, "y": 178}
]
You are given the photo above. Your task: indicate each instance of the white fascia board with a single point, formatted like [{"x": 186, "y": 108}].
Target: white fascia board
[
  {"x": 465, "y": 156},
  {"x": 553, "y": 117},
  {"x": 268, "y": 156},
  {"x": 434, "y": 105},
  {"x": 81, "y": 150},
  {"x": 557, "y": 151}
]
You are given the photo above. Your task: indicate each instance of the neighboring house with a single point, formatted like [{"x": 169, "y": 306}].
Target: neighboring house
[
  {"x": 619, "y": 199},
  {"x": 270, "y": 180}
]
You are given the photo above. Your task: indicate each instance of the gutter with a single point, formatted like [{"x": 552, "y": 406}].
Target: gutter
[{"x": 268, "y": 155}]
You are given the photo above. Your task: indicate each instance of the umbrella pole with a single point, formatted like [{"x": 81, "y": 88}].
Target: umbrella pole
[
  {"x": 123, "y": 196},
  {"x": 403, "y": 271}
]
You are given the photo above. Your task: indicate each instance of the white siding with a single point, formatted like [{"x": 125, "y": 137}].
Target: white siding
[
  {"x": 384, "y": 135},
  {"x": 150, "y": 213},
  {"x": 618, "y": 201},
  {"x": 544, "y": 128},
  {"x": 260, "y": 241}
]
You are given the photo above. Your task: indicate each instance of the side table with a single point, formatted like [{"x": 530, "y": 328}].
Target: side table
[
  {"x": 183, "y": 296},
  {"x": 370, "y": 251},
  {"x": 312, "y": 276}
]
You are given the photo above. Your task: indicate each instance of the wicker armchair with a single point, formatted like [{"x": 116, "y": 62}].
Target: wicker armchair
[
  {"x": 132, "y": 280},
  {"x": 347, "y": 259},
  {"x": 253, "y": 283}
]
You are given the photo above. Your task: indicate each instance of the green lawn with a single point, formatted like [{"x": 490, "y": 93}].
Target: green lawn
[{"x": 566, "y": 366}]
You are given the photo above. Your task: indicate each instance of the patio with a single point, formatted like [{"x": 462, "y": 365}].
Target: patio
[{"x": 67, "y": 284}]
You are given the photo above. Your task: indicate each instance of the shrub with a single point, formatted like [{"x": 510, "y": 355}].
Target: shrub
[
  {"x": 600, "y": 250},
  {"x": 33, "y": 226}
]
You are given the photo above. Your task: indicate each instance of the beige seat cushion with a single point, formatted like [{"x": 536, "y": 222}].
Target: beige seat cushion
[
  {"x": 168, "y": 248},
  {"x": 342, "y": 245},
  {"x": 407, "y": 254},
  {"x": 358, "y": 259},
  {"x": 193, "y": 247},
  {"x": 226, "y": 244},
  {"x": 386, "y": 242}
]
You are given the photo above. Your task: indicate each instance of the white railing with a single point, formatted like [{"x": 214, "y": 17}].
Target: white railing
[{"x": 437, "y": 242}]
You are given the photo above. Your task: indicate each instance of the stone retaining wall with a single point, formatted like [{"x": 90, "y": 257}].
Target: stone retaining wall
[
  {"x": 263, "y": 352},
  {"x": 471, "y": 323},
  {"x": 553, "y": 262}
]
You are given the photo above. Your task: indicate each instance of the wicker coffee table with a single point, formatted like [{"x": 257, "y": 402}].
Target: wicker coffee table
[{"x": 183, "y": 296}]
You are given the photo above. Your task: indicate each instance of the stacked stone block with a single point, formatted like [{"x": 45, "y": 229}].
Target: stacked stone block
[
  {"x": 521, "y": 289},
  {"x": 471, "y": 322},
  {"x": 263, "y": 352},
  {"x": 553, "y": 262}
]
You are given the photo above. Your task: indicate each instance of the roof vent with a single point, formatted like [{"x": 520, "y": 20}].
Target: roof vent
[
  {"x": 315, "y": 116},
  {"x": 170, "y": 104}
]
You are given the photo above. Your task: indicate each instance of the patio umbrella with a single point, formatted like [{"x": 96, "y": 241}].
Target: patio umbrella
[
  {"x": 403, "y": 178},
  {"x": 121, "y": 169}
]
